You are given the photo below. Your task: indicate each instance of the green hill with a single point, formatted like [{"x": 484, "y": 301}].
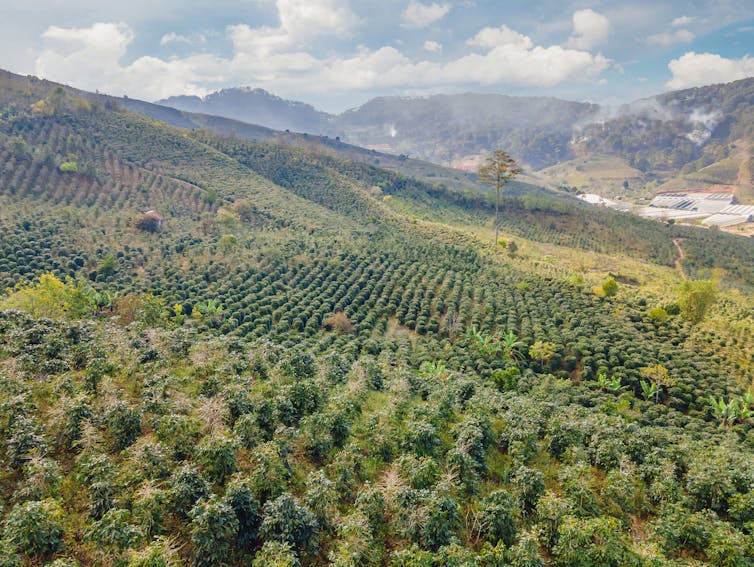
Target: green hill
[{"x": 306, "y": 359}]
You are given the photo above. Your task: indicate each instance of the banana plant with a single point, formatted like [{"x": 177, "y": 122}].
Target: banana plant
[
  {"x": 511, "y": 346},
  {"x": 727, "y": 413},
  {"x": 650, "y": 390},
  {"x": 614, "y": 385},
  {"x": 602, "y": 381}
]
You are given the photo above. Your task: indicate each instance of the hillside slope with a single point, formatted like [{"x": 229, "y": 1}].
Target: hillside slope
[
  {"x": 305, "y": 359},
  {"x": 695, "y": 138}
]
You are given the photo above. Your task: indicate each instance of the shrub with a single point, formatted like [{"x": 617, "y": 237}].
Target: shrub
[
  {"x": 276, "y": 554},
  {"x": 610, "y": 288},
  {"x": 497, "y": 518},
  {"x": 124, "y": 425},
  {"x": 286, "y": 521},
  {"x": 35, "y": 528},
  {"x": 159, "y": 553},
  {"x": 529, "y": 486},
  {"x": 115, "y": 529},
  {"x": 592, "y": 542},
  {"x": 214, "y": 527},
  {"x": 240, "y": 498},
  {"x": 187, "y": 488},
  {"x": 217, "y": 454}
]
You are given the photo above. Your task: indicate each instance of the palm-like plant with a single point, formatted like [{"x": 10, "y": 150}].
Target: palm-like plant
[
  {"x": 650, "y": 390},
  {"x": 611, "y": 384},
  {"x": 511, "y": 345},
  {"x": 727, "y": 413},
  {"x": 484, "y": 342}
]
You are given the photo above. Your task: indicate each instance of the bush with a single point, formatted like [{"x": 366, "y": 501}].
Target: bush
[
  {"x": 529, "y": 486},
  {"x": 159, "y": 553},
  {"x": 592, "y": 542},
  {"x": 610, "y": 288},
  {"x": 497, "y": 518},
  {"x": 187, "y": 488},
  {"x": 115, "y": 529},
  {"x": 240, "y": 498},
  {"x": 217, "y": 454},
  {"x": 35, "y": 528},
  {"x": 275, "y": 554},
  {"x": 214, "y": 527},
  {"x": 123, "y": 425},
  {"x": 286, "y": 521}
]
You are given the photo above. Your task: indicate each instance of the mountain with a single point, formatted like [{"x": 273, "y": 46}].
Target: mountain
[
  {"x": 695, "y": 138},
  {"x": 447, "y": 129},
  {"x": 690, "y": 139},
  {"x": 429, "y": 171},
  {"x": 255, "y": 106},
  {"x": 218, "y": 350},
  {"x": 453, "y": 129}
]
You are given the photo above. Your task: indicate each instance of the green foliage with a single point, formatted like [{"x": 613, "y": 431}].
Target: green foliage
[
  {"x": 286, "y": 521},
  {"x": 592, "y": 542},
  {"x": 276, "y": 554},
  {"x": 187, "y": 488},
  {"x": 159, "y": 553},
  {"x": 115, "y": 529},
  {"x": 455, "y": 386},
  {"x": 696, "y": 298},
  {"x": 50, "y": 297},
  {"x": 240, "y": 498},
  {"x": 497, "y": 518},
  {"x": 35, "y": 528},
  {"x": 214, "y": 527},
  {"x": 218, "y": 456},
  {"x": 124, "y": 425},
  {"x": 610, "y": 287}
]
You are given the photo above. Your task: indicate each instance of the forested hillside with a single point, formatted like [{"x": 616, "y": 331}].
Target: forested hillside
[
  {"x": 216, "y": 351},
  {"x": 693, "y": 138}
]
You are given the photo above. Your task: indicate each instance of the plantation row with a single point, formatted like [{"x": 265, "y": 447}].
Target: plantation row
[
  {"x": 96, "y": 178},
  {"x": 437, "y": 291},
  {"x": 143, "y": 446}
]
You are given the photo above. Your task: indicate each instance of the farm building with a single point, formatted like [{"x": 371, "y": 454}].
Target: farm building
[
  {"x": 731, "y": 216},
  {"x": 703, "y": 202}
]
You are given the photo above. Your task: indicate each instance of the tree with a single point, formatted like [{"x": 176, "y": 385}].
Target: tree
[
  {"x": 497, "y": 171},
  {"x": 696, "y": 297},
  {"x": 610, "y": 287}
]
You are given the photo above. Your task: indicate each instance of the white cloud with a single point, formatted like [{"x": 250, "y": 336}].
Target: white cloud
[
  {"x": 495, "y": 37},
  {"x": 89, "y": 58},
  {"x": 279, "y": 59},
  {"x": 589, "y": 29},
  {"x": 173, "y": 37},
  {"x": 682, "y": 21},
  {"x": 315, "y": 17},
  {"x": 418, "y": 15},
  {"x": 671, "y": 37},
  {"x": 697, "y": 69}
]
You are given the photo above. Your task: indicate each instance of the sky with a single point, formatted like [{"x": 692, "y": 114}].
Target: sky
[{"x": 337, "y": 54}]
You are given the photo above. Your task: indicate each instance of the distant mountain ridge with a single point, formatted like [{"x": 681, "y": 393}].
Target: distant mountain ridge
[
  {"x": 691, "y": 138},
  {"x": 445, "y": 129},
  {"x": 255, "y": 106}
]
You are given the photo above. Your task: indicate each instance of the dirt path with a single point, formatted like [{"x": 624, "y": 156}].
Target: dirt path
[{"x": 681, "y": 257}]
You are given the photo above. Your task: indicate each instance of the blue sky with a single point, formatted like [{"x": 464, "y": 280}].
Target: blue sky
[{"x": 338, "y": 54}]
